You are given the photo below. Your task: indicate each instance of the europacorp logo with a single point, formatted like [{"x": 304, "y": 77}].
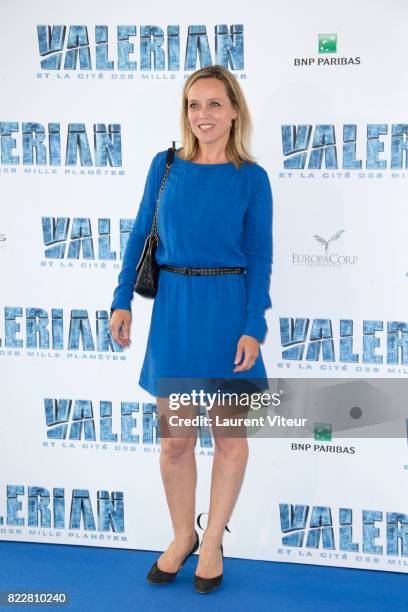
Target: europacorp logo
[
  {"x": 328, "y": 255},
  {"x": 326, "y": 54},
  {"x": 106, "y": 426},
  {"x": 82, "y": 514},
  {"x": 373, "y": 537},
  {"x": 84, "y": 242},
  {"x": 77, "y": 148},
  {"x": 131, "y": 51},
  {"x": 349, "y": 151},
  {"x": 377, "y": 346}
]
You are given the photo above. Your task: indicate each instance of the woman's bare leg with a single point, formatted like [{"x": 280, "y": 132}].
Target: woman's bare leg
[
  {"x": 229, "y": 463},
  {"x": 179, "y": 475}
]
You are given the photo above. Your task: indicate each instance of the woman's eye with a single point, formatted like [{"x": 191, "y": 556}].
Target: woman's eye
[{"x": 195, "y": 104}]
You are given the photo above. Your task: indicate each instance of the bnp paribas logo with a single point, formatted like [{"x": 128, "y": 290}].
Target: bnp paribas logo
[
  {"x": 327, "y": 43},
  {"x": 326, "y": 54},
  {"x": 323, "y": 432}
]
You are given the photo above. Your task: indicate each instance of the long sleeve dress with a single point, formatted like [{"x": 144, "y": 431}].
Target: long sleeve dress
[{"x": 210, "y": 215}]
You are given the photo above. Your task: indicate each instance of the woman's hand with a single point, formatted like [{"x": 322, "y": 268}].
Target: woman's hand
[
  {"x": 250, "y": 346},
  {"x": 119, "y": 326}
]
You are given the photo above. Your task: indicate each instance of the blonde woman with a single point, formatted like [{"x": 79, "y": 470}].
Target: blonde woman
[{"x": 215, "y": 258}]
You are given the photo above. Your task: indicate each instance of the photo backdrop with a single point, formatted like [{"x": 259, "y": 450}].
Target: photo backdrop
[{"x": 90, "y": 92}]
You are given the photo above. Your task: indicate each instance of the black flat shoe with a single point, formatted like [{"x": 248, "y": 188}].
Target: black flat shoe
[
  {"x": 158, "y": 576},
  {"x": 206, "y": 585}
]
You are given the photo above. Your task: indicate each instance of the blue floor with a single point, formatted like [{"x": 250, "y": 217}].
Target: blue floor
[{"x": 99, "y": 579}]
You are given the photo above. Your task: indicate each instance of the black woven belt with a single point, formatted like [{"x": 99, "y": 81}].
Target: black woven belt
[{"x": 202, "y": 271}]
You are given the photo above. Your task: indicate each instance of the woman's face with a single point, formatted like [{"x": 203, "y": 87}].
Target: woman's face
[{"x": 209, "y": 105}]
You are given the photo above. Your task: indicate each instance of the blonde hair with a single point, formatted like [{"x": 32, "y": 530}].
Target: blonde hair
[{"x": 237, "y": 146}]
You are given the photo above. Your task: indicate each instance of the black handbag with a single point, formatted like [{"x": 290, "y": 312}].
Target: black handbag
[{"x": 147, "y": 269}]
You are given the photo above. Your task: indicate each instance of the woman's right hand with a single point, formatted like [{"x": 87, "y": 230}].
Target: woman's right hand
[{"x": 119, "y": 326}]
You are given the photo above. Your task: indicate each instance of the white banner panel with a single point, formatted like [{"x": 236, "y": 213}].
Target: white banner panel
[{"x": 90, "y": 92}]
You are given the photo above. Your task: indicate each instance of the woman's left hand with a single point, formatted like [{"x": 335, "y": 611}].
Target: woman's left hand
[{"x": 250, "y": 346}]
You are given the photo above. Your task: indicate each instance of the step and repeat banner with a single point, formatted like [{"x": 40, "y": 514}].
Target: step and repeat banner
[{"x": 90, "y": 92}]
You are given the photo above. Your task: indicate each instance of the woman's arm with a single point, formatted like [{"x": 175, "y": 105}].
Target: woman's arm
[
  {"x": 258, "y": 253},
  {"x": 123, "y": 293}
]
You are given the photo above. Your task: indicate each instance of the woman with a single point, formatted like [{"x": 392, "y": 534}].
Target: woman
[{"x": 215, "y": 213}]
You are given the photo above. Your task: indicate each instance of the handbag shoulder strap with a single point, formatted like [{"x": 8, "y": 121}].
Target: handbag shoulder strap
[{"x": 169, "y": 160}]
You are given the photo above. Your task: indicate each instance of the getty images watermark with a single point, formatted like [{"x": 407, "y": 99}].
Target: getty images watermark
[
  {"x": 285, "y": 407},
  {"x": 232, "y": 405}
]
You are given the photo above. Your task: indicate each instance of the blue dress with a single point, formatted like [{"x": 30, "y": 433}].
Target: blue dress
[{"x": 210, "y": 215}]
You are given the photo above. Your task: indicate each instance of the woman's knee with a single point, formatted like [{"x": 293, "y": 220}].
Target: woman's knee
[
  {"x": 175, "y": 449},
  {"x": 231, "y": 446}
]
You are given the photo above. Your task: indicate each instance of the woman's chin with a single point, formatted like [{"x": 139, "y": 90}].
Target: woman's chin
[{"x": 207, "y": 138}]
